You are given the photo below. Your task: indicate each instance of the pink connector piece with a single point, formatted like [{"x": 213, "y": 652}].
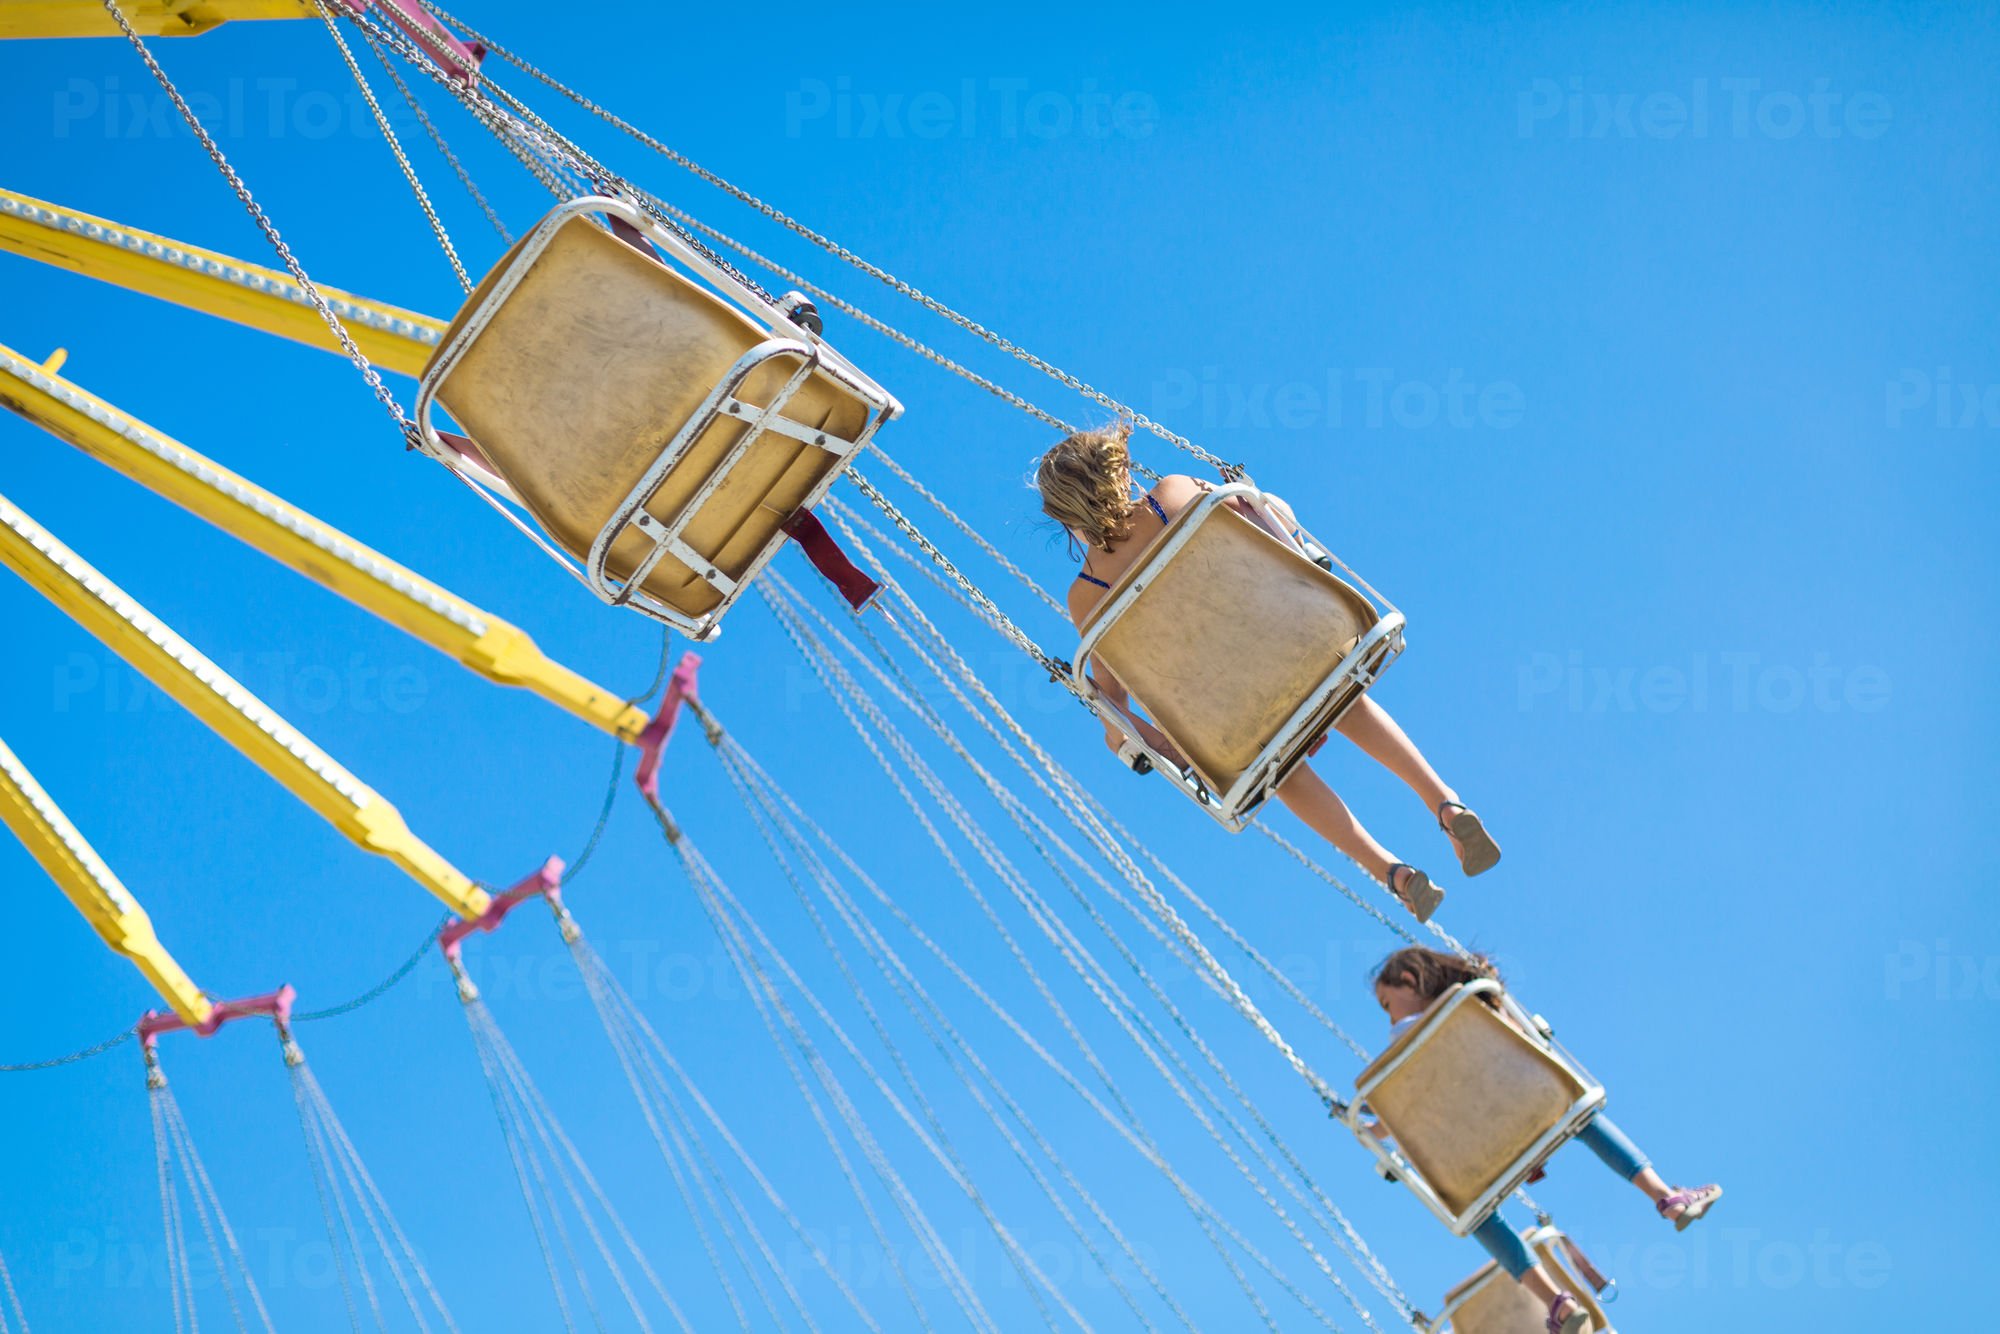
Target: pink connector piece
[
  {"x": 543, "y": 884},
  {"x": 277, "y": 1007},
  {"x": 458, "y": 59},
  {"x": 653, "y": 741}
]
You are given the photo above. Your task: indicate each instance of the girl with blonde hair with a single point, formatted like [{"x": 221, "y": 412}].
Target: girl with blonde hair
[{"x": 1086, "y": 486}]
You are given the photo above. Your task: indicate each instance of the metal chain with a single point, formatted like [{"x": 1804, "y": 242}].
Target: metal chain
[
  {"x": 395, "y": 145},
  {"x": 416, "y": 956},
  {"x": 436, "y": 136},
  {"x": 611, "y": 787},
  {"x": 1100, "y": 981},
  {"x": 13, "y": 1299},
  {"x": 382, "y": 988},
  {"x": 841, "y": 252},
  {"x": 864, "y": 714},
  {"x": 1057, "y": 669},
  {"x": 307, "y": 288},
  {"x": 544, "y": 137},
  {"x": 863, "y": 318},
  {"x": 94, "y": 1049},
  {"x": 972, "y": 534}
]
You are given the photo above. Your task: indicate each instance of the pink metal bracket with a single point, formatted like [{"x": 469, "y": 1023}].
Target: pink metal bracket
[
  {"x": 653, "y": 741},
  {"x": 544, "y": 884},
  {"x": 276, "y": 1006},
  {"x": 456, "y": 58}
]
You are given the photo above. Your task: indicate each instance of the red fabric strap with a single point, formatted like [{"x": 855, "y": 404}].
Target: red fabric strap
[
  {"x": 827, "y": 557},
  {"x": 631, "y": 236},
  {"x": 1585, "y": 1270}
]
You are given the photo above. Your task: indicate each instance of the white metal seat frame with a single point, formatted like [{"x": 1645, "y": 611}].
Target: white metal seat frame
[
  {"x": 1395, "y": 1165},
  {"x": 787, "y": 339},
  {"x": 1543, "y": 1242},
  {"x": 1362, "y": 666}
]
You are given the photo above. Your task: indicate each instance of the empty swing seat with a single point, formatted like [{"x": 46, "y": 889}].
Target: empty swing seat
[
  {"x": 1240, "y": 647},
  {"x": 1474, "y": 1103},
  {"x": 1491, "y": 1302},
  {"x": 659, "y": 431}
]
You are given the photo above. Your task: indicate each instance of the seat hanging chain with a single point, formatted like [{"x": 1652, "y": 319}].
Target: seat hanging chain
[
  {"x": 437, "y": 137},
  {"x": 518, "y": 127},
  {"x": 1229, "y": 471},
  {"x": 307, "y": 288},
  {"x": 390, "y": 137}
]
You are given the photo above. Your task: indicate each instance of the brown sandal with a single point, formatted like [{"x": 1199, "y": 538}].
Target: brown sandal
[
  {"x": 1418, "y": 894},
  {"x": 1477, "y": 852}
]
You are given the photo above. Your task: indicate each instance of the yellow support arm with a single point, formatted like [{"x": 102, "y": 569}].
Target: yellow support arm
[
  {"x": 152, "y": 18},
  {"x": 226, "y": 707},
  {"x": 205, "y": 280},
  {"x": 481, "y": 641},
  {"x": 89, "y": 884}
]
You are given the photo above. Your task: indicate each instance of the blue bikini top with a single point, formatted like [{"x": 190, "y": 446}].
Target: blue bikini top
[{"x": 1090, "y": 578}]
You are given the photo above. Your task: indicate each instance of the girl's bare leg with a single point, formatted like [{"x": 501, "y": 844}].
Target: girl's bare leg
[
  {"x": 1536, "y": 1281},
  {"x": 1653, "y": 1184},
  {"x": 1307, "y": 796},
  {"x": 1369, "y": 726}
]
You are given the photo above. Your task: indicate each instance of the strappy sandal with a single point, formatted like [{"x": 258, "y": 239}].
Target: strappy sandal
[
  {"x": 1692, "y": 1204},
  {"x": 1418, "y": 894},
  {"x": 1567, "y": 1316},
  {"x": 1477, "y": 851}
]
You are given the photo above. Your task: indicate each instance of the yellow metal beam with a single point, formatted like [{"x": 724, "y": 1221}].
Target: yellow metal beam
[
  {"x": 97, "y": 893},
  {"x": 226, "y": 707},
  {"x": 206, "y": 280},
  {"x": 496, "y": 650},
  {"x": 152, "y": 18}
]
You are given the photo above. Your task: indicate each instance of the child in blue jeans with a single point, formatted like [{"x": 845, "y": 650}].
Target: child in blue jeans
[{"x": 1405, "y": 986}]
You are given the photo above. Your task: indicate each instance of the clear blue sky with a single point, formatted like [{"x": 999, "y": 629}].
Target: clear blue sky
[{"x": 1644, "y": 355}]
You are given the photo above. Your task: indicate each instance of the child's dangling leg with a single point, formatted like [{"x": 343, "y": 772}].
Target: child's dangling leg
[
  {"x": 1369, "y": 726},
  {"x": 1307, "y": 796},
  {"x": 1566, "y": 1314},
  {"x": 1615, "y": 1149}
]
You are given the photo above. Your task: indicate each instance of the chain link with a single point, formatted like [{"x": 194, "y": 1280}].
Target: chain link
[
  {"x": 511, "y": 120},
  {"x": 1058, "y": 670},
  {"x": 395, "y": 145},
  {"x": 862, "y": 317},
  {"x": 94, "y": 1049},
  {"x": 437, "y": 136},
  {"x": 972, "y": 534},
  {"x": 307, "y": 287},
  {"x": 611, "y": 787},
  {"x": 1229, "y": 470},
  {"x": 382, "y": 988},
  {"x": 416, "y": 956}
]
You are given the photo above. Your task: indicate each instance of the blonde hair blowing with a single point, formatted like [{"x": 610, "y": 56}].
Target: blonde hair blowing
[{"x": 1086, "y": 484}]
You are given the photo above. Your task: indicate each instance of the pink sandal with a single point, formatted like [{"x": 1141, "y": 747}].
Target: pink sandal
[
  {"x": 1567, "y": 1316},
  {"x": 1693, "y": 1206}
]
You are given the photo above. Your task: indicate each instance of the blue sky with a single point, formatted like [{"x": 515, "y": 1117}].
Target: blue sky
[{"x": 1643, "y": 355}]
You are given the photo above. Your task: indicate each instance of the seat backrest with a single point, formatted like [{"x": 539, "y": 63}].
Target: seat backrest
[
  {"x": 587, "y": 368},
  {"x": 1228, "y": 638},
  {"x": 1472, "y": 1096},
  {"x": 1490, "y": 1302}
]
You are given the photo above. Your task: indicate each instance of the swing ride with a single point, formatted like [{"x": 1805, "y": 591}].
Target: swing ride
[{"x": 654, "y": 420}]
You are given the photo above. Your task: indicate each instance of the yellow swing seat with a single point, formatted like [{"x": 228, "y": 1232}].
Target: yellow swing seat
[
  {"x": 1474, "y": 1100},
  {"x": 1242, "y": 647},
  {"x": 659, "y": 431},
  {"x": 1491, "y": 1302}
]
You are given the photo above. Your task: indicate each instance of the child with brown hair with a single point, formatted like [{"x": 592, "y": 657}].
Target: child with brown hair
[{"x": 1406, "y": 985}]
